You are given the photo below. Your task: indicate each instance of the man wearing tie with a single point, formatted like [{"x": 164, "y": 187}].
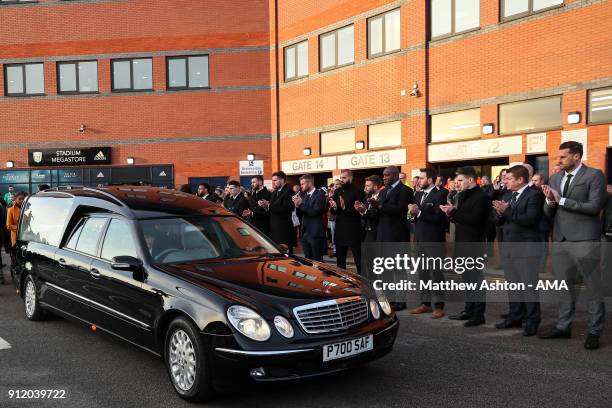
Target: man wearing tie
[
  {"x": 280, "y": 208},
  {"x": 369, "y": 213},
  {"x": 430, "y": 234},
  {"x": 575, "y": 197},
  {"x": 520, "y": 213},
  {"x": 392, "y": 204},
  {"x": 348, "y": 220},
  {"x": 311, "y": 204}
]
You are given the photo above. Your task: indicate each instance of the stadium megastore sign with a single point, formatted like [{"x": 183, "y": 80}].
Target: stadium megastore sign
[{"x": 69, "y": 156}]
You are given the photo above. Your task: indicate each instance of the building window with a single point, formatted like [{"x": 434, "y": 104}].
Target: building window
[
  {"x": 77, "y": 76},
  {"x": 132, "y": 74},
  {"x": 384, "y": 33},
  {"x": 385, "y": 135},
  {"x": 187, "y": 72},
  {"x": 600, "y": 106},
  {"x": 338, "y": 141},
  {"x": 296, "y": 61},
  {"x": 24, "y": 79},
  {"x": 449, "y": 17},
  {"x": 337, "y": 48},
  {"x": 529, "y": 116},
  {"x": 521, "y": 8},
  {"x": 458, "y": 125}
]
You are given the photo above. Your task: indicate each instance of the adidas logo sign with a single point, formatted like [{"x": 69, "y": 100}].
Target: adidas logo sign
[
  {"x": 100, "y": 175},
  {"x": 162, "y": 174},
  {"x": 100, "y": 156}
]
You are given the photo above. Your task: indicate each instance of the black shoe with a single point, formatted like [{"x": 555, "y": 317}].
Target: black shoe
[
  {"x": 397, "y": 306},
  {"x": 504, "y": 316},
  {"x": 474, "y": 322},
  {"x": 555, "y": 333},
  {"x": 460, "y": 316},
  {"x": 591, "y": 342},
  {"x": 508, "y": 324},
  {"x": 530, "y": 331}
]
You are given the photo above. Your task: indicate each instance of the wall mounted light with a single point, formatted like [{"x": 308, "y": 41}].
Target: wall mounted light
[
  {"x": 359, "y": 145},
  {"x": 573, "y": 118},
  {"x": 131, "y": 160},
  {"x": 10, "y": 164},
  {"x": 250, "y": 156},
  {"x": 488, "y": 128},
  {"x": 82, "y": 128},
  {"x": 307, "y": 151}
]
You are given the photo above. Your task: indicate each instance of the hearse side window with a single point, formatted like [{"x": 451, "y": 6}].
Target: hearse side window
[
  {"x": 90, "y": 235},
  {"x": 75, "y": 236},
  {"x": 118, "y": 241},
  {"x": 43, "y": 219}
]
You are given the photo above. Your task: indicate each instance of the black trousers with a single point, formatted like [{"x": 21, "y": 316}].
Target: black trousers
[
  {"x": 341, "y": 252},
  {"x": 475, "y": 300},
  {"x": 313, "y": 247}
]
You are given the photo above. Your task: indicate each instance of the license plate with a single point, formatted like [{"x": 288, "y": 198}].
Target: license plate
[{"x": 348, "y": 348}]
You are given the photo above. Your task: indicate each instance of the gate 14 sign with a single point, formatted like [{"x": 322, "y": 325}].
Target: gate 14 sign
[{"x": 69, "y": 156}]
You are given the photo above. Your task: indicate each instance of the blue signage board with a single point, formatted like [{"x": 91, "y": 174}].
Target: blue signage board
[{"x": 14, "y": 177}]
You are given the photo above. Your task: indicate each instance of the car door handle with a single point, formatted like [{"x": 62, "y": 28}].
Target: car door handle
[
  {"x": 94, "y": 273},
  {"x": 62, "y": 262}
]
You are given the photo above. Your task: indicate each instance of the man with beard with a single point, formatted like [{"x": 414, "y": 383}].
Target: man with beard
[
  {"x": 348, "y": 220},
  {"x": 205, "y": 193},
  {"x": 575, "y": 197},
  {"x": 258, "y": 216},
  {"x": 469, "y": 215},
  {"x": 280, "y": 208},
  {"x": 369, "y": 213}
]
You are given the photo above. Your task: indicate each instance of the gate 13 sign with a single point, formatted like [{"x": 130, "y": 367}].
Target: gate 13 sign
[{"x": 69, "y": 156}]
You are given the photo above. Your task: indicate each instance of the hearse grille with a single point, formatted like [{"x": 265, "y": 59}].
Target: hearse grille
[{"x": 332, "y": 315}]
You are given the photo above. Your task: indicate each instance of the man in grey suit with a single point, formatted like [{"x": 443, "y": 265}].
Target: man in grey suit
[{"x": 575, "y": 197}]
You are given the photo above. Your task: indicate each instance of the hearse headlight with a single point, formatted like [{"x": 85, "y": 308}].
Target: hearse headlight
[
  {"x": 383, "y": 302},
  {"x": 374, "y": 309},
  {"x": 249, "y": 323},
  {"x": 283, "y": 326}
]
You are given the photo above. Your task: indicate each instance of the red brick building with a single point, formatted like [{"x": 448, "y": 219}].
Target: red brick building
[
  {"x": 187, "y": 89},
  {"x": 445, "y": 68}
]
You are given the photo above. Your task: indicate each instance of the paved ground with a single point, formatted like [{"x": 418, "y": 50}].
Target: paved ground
[{"x": 434, "y": 364}]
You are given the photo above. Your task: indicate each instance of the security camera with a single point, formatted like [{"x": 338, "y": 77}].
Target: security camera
[
  {"x": 415, "y": 90},
  {"x": 82, "y": 128}
]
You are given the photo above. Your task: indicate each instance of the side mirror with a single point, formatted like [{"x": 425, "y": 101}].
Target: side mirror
[
  {"x": 129, "y": 263},
  {"x": 284, "y": 247}
]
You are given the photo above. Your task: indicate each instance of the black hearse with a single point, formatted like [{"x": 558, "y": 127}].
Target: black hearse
[{"x": 191, "y": 282}]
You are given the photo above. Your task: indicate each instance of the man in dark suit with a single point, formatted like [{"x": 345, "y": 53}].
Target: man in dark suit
[
  {"x": 392, "y": 204},
  {"x": 544, "y": 226},
  {"x": 205, "y": 192},
  {"x": 280, "y": 208},
  {"x": 348, "y": 220},
  {"x": 430, "y": 234},
  {"x": 235, "y": 201},
  {"x": 520, "y": 213},
  {"x": 469, "y": 215},
  {"x": 575, "y": 197},
  {"x": 369, "y": 213},
  {"x": 256, "y": 214},
  {"x": 311, "y": 204}
]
